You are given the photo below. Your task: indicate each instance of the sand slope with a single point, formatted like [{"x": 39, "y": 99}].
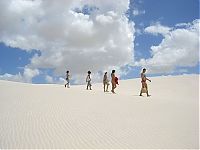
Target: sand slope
[{"x": 50, "y": 116}]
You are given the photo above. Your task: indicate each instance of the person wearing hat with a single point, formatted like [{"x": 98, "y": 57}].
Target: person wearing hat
[
  {"x": 88, "y": 80},
  {"x": 67, "y": 79},
  {"x": 144, "y": 88}
]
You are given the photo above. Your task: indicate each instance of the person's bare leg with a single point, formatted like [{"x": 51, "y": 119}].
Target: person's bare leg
[
  {"x": 147, "y": 90},
  {"x": 67, "y": 84},
  {"x": 112, "y": 88},
  {"x": 90, "y": 86},
  {"x": 148, "y": 94},
  {"x": 143, "y": 86},
  {"x": 141, "y": 92},
  {"x": 104, "y": 87},
  {"x": 107, "y": 88}
]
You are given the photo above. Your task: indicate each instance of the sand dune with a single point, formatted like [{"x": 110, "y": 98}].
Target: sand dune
[{"x": 51, "y": 116}]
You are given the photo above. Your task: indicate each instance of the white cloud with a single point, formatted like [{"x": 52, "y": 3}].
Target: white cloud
[
  {"x": 61, "y": 80},
  {"x": 54, "y": 80},
  {"x": 137, "y": 12},
  {"x": 138, "y": 31},
  {"x": 179, "y": 48},
  {"x": 66, "y": 39},
  {"x": 30, "y": 73},
  {"x": 181, "y": 24},
  {"x": 10, "y": 77},
  {"x": 157, "y": 28},
  {"x": 183, "y": 70},
  {"x": 104, "y": 20},
  {"x": 27, "y": 75},
  {"x": 118, "y": 6},
  {"x": 49, "y": 79}
]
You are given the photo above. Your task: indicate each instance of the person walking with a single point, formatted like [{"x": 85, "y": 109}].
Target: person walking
[
  {"x": 67, "y": 79},
  {"x": 144, "y": 88},
  {"x": 105, "y": 82},
  {"x": 88, "y": 80},
  {"x": 113, "y": 81}
]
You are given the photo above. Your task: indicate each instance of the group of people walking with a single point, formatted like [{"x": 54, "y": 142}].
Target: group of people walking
[{"x": 114, "y": 82}]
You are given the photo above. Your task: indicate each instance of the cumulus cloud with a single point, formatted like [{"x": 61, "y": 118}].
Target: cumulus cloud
[
  {"x": 10, "y": 77},
  {"x": 179, "y": 48},
  {"x": 96, "y": 40},
  {"x": 157, "y": 28},
  {"x": 27, "y": 75}
]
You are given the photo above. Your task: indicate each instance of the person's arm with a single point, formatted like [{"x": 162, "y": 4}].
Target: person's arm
[
  {"x": 113, "y": 77},
  {"x": 104, "y": 78},
  {"x": 142, "y": 76},
  {"x": 148, "y": 79}
]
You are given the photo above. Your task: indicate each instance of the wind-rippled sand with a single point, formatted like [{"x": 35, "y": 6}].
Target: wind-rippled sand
[{"x": 51, "y": 116}]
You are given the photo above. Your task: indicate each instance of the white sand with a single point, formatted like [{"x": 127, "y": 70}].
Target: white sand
[{"x": 50, "y": 116}]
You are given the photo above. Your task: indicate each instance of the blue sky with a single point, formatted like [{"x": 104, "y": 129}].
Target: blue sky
[{"x": 166, "y": 13}]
